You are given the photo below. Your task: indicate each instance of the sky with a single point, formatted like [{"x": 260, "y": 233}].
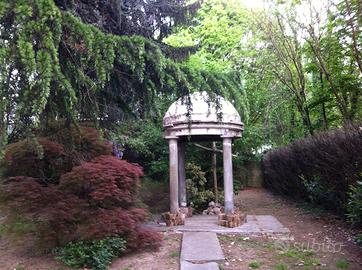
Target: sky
[
  {"x": 303, "y": 10},
  {"x": 253, "y": 4}
]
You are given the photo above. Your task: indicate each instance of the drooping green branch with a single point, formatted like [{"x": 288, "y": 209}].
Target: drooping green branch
[{"x": 54, "y": 66}]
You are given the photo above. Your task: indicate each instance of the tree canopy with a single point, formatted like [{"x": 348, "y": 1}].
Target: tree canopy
[
  {"x": 288, "y": 74},
  {"x": 298, "y": 63},
  {"x": 55, "y": 66}
]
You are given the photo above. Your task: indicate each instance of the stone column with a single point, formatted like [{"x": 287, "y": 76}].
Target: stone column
[
  {"x": 173, "y": 163},
  {"x": 181, "y": 175},
  {"x": 228, "y": 175}
]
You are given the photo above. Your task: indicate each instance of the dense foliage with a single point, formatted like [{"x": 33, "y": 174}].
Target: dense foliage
[
  {"x": 151, "y": 18},
  {"x": 198, "y": 194},
  {"x": 298, "y": 61},
  {"x": 143, "y": 142},
  {"x": 97, "y": 254},
  {"x": 354, "y": 206},
  {"x": 321, "y": 169},
  {"x": 54, "y": 66},
  {"x": 93, "y": 198}
]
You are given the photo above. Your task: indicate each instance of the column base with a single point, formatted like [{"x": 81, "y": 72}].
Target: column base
[
  {"x": 174, "y": 219},
  {"x": 231, "y": 220},
  {"x": 187, "y": 211}
]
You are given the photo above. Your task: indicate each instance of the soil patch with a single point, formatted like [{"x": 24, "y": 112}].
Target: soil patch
[
  {"x": 166, "y": 258},
  {"x": 319, "y": 240}
]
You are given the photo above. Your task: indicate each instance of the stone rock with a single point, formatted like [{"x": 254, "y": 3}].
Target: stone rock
[
  {"x": 174, "y": 219},
  {"x": 187, "y": 211},
  {"x": 213, "y": 209},
  {"x": 217, "y": 211},
  {"x": 231, "y": 220}
]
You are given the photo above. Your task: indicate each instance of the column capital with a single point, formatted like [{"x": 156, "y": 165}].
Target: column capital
[
  {"x": 171, "y": 137},
  {"x": 228, "y": 140}
]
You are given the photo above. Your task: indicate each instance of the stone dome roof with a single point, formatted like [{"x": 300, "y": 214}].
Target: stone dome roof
[
  {"x": 199, "y": 115},
  {"x": 201, "y": 109}
]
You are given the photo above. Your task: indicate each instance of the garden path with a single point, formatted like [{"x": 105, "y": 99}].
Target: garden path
[{"x": 200, "y": 250}]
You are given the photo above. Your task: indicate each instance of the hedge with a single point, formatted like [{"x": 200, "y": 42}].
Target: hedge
[{"x": 320, "y": 169}]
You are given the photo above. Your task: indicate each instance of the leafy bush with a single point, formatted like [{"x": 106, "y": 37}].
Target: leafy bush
[
  {"x": 359, "y": 239},
  {"x": 38, "y": 157},
  {"x": 198, "y": 195},
  {"x": 318, "y": 169},
  {"x": 53, "y": 152},
  {"x": 144, "y": 143},
  {"x": 94, "y": 254},
  {"x": 82, "y": 142},
  {"x": 94, "y": 200},
  {"x": 354, "y": 206}
]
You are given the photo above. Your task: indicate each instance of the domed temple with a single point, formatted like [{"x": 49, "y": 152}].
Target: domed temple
[{"x": 198, "y": 117}]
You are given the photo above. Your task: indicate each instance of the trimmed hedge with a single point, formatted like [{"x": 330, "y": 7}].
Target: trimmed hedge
[{"x": 320, "y": 169}]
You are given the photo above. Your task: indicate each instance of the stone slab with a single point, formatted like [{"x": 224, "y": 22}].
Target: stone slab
[
  {"x": 203, "y": 266},
  {"x": 201, "y": 247},
  {"x": 255, "y": 225}
]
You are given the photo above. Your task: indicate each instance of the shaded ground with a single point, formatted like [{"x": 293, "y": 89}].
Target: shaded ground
[
  {"x": 20, "y": 256},
  {"x": 241, "y": 252},
  {"x": 166, "y": 258},
  {"x": 319, "y": 241}
]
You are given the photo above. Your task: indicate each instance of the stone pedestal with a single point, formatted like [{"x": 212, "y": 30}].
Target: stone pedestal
[
  {"x": 174, "y": 219},
  {"x": 231, "y": 220}
]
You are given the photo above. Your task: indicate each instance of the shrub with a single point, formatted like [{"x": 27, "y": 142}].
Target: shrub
[
  {"x": 354, "y": 207},
  {"x": 198, "y": 195},
  {"x": 40, "y": 158},
  {"x": 318, "y": 169},
  {"x": 94, "y": 200},
  {"x": 47, "y": 158},
  {"x": 94, "y": 254},
  {"x": 105, "y": 182},
  {"x": 358, "y": 239},
  {"x": 82, "y": 142}
]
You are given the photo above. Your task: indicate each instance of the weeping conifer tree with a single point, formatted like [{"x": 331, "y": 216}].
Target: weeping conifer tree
[{"x": 57, "y": 65}]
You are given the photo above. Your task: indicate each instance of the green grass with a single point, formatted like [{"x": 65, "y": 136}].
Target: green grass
[
  {"x": 2, "y": 229},
  {"x": 281, "y": 266},
  {"x": 301, "y": 256},
  {"x": 342, "y": 264},
  {"x": 254, "y": 264},
  {"x": 298, "y": 254},
  {"x": 174, "y": 254}
]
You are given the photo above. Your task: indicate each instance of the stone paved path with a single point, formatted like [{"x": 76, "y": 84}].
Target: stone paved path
[
  {"x": 198, "y": 266},
  {"x": 200, "y": 245},
  {"x": 256, "y": 224},
  {"x": 201, "y": 251}
]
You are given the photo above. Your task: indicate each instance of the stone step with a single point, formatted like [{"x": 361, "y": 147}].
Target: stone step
[
  {"x": 256, "y": 224},
  {"x": 199, "y": 266},
  {"x": 201, "y": 247}
]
